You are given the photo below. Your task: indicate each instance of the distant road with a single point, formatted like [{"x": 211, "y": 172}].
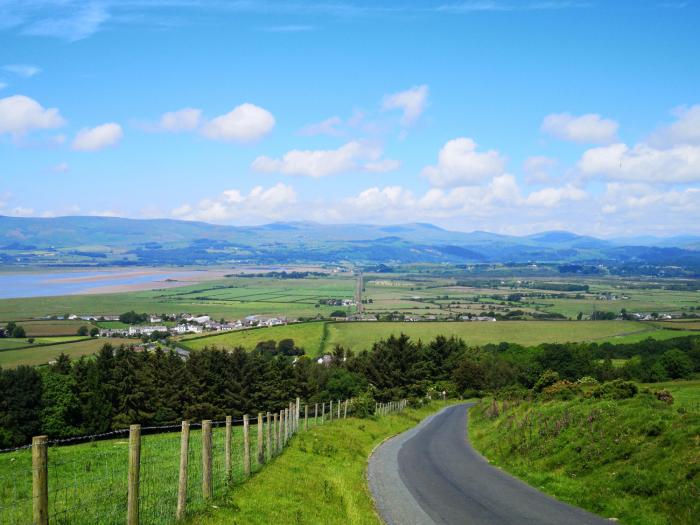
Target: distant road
[{"x": 432, "y": 475}]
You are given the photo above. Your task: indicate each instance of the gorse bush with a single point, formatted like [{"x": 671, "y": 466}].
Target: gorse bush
[{"x": 617, "y": 389}]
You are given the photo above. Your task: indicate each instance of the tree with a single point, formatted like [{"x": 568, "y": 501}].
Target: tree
[
  {"x": 94, "y": 331},
  {"x": 18, "y": 332},
  {"x": 83, "y": 331},
  {"x": 20, "y": 404},
  {"x": 677, "y": 364}
]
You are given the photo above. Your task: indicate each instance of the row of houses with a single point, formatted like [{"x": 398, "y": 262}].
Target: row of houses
[{"x": 193, "y": 325}]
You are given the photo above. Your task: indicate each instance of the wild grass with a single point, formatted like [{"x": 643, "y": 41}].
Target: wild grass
[
  {"x": 636, "y": 460},
  {"x": 44, "y": 350},
  {"x": 319, "y": 479}
]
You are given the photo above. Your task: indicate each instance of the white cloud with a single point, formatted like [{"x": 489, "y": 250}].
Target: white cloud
[
  {"x": 646, "y": 202},
  {"x": 244, "y": 123},
  {"x": 538, "y": 169},
  {"x": 353, "y": 156},
  {"x": 685, "y": 130},
  {"x": 325, "y": 127},
  {"x": 22, "y": 70},
  {"x": 75, "y": 21},
  {"x": 99, "y": 137},
  {"x": 21, "y": 211},
  {"x": 552, "y": 197},
  {"x": 186, "y": 119},
  {"x": 260, "y": 203},
  {"x": 678, "y": 164},
  {"x": 412, "y": 102},
  {"x": 589, "y": 128},
  {"x": 383, "y": 166},
  {"x": 20, "y": 114},
  {"x": 460, "y": 164}
]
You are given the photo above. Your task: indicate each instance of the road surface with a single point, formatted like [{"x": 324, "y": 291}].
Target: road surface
[{"x": 432, "y": 475}]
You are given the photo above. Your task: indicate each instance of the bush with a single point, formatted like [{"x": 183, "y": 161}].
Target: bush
[
  {"x": 547, "y": 378},
  {"x": 617, "y": 389},
  {"x": 665, "y": 396},
  {"x": 512, "y": 393},
  {"x": 363, "y": 405},
  {"x": 561, "y": 390},
  {"x": 587, "y": 381}
]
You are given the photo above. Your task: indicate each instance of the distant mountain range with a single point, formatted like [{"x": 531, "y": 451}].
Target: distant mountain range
[{"x": 107, "y": 240}]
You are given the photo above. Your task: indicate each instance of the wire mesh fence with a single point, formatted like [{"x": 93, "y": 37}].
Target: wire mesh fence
[{"x": 88, "y": 482}]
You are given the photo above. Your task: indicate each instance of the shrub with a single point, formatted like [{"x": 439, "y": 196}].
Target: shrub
[
  {"x": 547, "y": 378},
  {"x": 561, "y": 390},
  {"x": 363, "y": 405},
  {"x": 665, "y": 396},
  {"x": 617, "y": 389},
  {"x": 512, "y": 393},
  {"x": 587, "y": 381}
]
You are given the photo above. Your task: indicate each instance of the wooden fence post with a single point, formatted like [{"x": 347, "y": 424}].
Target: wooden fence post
[
  {"x": 246, "y": 446},
  {"x": 286, "y": 426},
  {"x": 182, "y": 480},
  {"x": 40, "y": 480},
  {"x": 330, "y": 412},
  {"x": 297, "y": 413},
  {"x": 291, "y": 418},
  {"x": 206, "y": 459},
  {"x": 132, "y": 502},
  {"x": 261, "y": 455},
  {"x": 345, "y": 411},
  {"x": 338, "y": 408},
  {"x": 227, "y": 450},
  {"x": 323, "y": 412},
  {"x": 268, "y": 435},
  {"x": 278, "y": 424},
  {"x": 315, "y": 414},
  {"x": 306, "y": 417}
]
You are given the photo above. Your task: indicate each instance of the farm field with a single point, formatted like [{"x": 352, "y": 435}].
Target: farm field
[
  {"x": 229, "y": 298},
  {"x": 37, "y": 354},
  {"x": 361, "y": 335},
  {"x": 308, "y": 336}
]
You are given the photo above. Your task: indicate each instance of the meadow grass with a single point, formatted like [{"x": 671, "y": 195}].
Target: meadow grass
[
  {"x": 306, "y": 335},
  {"x": 635, "y": 460},
  {"x": 361, "y": 335},
  {"x": 319, "y": 479},
  {"x": 41, "y": 354}
]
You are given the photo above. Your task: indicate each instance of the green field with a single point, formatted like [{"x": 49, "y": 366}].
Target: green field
[
  {"x": 231, "y": 298},
  {"x": 361, "y": 335},
  {"x": 306, "y": 335},
  {"x": 38, "y": 354},
  {"x": 635, "y": 460}
]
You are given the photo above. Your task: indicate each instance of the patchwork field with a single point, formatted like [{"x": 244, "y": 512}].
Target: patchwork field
[{"x": 361, "y": 335}]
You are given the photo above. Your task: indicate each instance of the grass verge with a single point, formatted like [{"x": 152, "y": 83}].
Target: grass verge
[
  {"x": 637, "y": 460},
  {"x": 320, "y": 478}
]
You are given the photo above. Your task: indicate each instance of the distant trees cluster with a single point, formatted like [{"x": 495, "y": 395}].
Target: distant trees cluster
[
  {"x": 121, "y": 386},
  {"x": 12, "y": 329}
]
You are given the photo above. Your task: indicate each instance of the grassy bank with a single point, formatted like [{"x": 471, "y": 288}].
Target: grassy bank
[
  {"x": 319, "y": 479},
  {"x": 637, "y": 460}
]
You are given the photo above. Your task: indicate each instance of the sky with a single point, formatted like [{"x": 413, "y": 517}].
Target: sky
[{"x": 507, "y": 116}]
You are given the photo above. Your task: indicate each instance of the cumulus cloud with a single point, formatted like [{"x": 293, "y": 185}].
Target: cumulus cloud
[
  {"x": 260, "y": 203},
  {"x": 678, "y": 164},
  {"x": 244, "y": 123},
  {"x": 645, "y": 201},
  {"x": 685, "y": 130},
  {"x": 459, "y": 163},
  {"x": 20, "y": 114},
  {"x": 411, "y": 102},
  {"x": 353, "y": 156},
  {"x": 99, "y": 137},
  {"x": 186, "y": 119},
  {"x": 552, "y": 197},
  {"x": 22, "y": 70},
  {"x": 590, "y": 128}
]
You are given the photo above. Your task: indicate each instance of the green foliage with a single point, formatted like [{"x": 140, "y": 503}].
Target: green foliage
[
  {"x": 633, "y": 459},
  {"x": 132, "y": 317},
  {"x": 617, "y": 389},
  {"x": 18, "y": 332},
  {"x": 548, "y": 378},
  {"x": 83, "y": 331},
  {"x": 677, "y": 364}
]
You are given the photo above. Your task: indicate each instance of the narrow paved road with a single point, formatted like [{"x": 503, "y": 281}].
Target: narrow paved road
[{"x": 432, "y": 475}]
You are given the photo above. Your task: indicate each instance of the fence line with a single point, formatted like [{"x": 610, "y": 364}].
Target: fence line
[{"x": 149, "y": 474}]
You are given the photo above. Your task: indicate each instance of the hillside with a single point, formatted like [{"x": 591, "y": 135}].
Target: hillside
[
  {"x": 632, "y": 459},
  {"x": 120, "y": 241}
]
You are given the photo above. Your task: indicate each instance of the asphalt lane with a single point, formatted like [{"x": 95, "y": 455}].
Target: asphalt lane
[{"x": 433, "y": 475}]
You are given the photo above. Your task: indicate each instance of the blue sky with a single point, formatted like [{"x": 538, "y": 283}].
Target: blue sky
[{"x": 509, "y": 116}]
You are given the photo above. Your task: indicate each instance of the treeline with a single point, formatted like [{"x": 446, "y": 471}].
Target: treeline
[{"x": 121, "y": 386}]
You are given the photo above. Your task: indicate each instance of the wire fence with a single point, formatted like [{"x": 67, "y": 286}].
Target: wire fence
[{"x": 97, "y": 480}]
